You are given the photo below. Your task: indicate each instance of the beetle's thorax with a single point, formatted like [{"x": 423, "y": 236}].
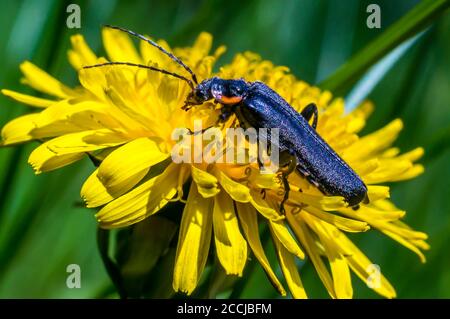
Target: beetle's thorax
[
  {"x": 228, "y": 92},
  {"x": 223, "y": 91}
]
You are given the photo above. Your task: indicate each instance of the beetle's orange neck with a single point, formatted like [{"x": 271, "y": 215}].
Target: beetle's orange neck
[{"x": 230, "y": 99}]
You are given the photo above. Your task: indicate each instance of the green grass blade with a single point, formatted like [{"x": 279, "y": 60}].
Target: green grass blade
[
  {"x": 376, "y": 73},
  {"x": 418, "y": 18}
]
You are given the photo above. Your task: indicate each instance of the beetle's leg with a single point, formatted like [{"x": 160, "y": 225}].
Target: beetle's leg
[
  {"x": 258, "y": 159},
  {"x": 287, "y": 189},
  {"x": 225, "y": 112},
  {"x": 198, "y": 132},
  {"x": 187, "y": 106},
  {"x": 309, "y": 111},
  {"x": 259, "y": 155},
  {"x": 365, "y": 201},
  {"x": 290, "y": 162},
  {"x": 263, "y": 193},
  {"x": 269, "y": 144},
  {"x": 223, "y": 117},
  {"x": 205, "y": 129}
]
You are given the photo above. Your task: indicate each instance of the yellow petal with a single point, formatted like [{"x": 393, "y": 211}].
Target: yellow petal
[
  {"x": 280, "y": 230},
  {"x": 28, "y": 99},
  {"x": 336, "y": 256},
  {"x": 123, "y": 95},
  {"x": 237, "y": 191},
  {"x": 231, "y": 247},
  {"x": 142, "y": 202},
  {"x": 44, "y": 160},
  {"x": 152, "y": 54},
  {"x": 94, "y": 193},
  {"x": 19, "y": 129},
  {"x": 380, "y": 224},
  {"x": 207, "y": 184},
  {"x": 249, "y": 222},
  {"x": 327, "y": 203},
  {"x": 366, "y": 167},
  {"x": 220, "y": 51},
  {"x": 264, "y": 208},
  {"x": 414, "y": 171},
  {"x": 373, "y": 212},
  {"x": 65, "y": 117},
  {"x": 242, "y": 193},
  {"x": 341, "y": 275},
  {"x": 407, "y": 243},
  {"x": 374, "y": 142},
  {"x": 81, "y": 55},
  {"x": 86, "y": 141},
  {"x": 413, "y": 155},
  {"x": 93, "y": 80},
  {"x": 377, "y": 192},
  {"x": 127, "y": 165},
  {"x": 420, "y": 244},
  {"x": 119, "y": 46},
  {"x": 355, "y": 125},
  {"x": 361, "y": 265},
  {"x": 42, "y": 81},
  {"x": 387, "y": 171},
  {"x": 346, "y": 224},
  {"x": 385, "y": 204},
  {"x": 193, "y": 242},
  {"x": 363, "y": 110},
  {"x": 203, "y": 43},
  {"x": 303, "y": 233},
  {"x": 390, "y": 152},
  {"x": 407, "y": 237},
  {"x": 290, "y": 271},
  {"x": 267, "y": 181}
]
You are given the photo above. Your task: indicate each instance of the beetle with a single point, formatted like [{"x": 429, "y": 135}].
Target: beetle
[{"x": 257, "y": 105}]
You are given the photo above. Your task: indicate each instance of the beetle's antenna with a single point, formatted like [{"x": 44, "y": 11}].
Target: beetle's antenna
[
  {"x": 156, "y": 45},
  {"x": 142, "y": 67}
]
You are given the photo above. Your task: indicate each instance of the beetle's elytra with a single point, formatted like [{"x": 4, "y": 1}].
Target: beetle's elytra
[{"x": 258, "y": 106}]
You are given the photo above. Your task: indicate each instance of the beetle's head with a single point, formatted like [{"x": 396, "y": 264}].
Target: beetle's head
[
  {"x": 200, "y": 94},
  {"x": 222, "y": 91}
]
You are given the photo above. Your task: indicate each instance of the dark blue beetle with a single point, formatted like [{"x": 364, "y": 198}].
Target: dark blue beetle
[{"x": 258, "y": 106}]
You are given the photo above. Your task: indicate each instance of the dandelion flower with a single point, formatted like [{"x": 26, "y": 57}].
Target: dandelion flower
[{"x": 124, "y": 117}]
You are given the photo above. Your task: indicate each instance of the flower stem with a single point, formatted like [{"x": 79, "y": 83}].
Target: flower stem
[{"x": 111, "y": 268}]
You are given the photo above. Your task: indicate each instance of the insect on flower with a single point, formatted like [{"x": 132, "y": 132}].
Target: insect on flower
[
  {"x": 125, "y": 119},
  {"x": 258, "y": 106}
]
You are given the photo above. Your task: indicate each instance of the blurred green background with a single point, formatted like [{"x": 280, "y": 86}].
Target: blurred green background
[{"x": 43, "y": 229}]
